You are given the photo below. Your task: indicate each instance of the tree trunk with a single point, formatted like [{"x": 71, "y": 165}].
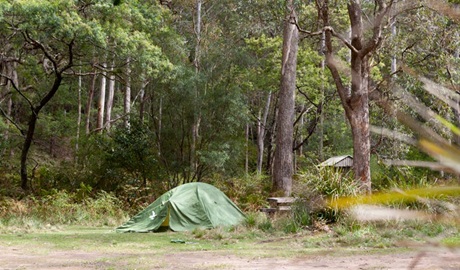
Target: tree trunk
[
  {"x": 12, "y": 73},
  {"x": 261, "y": 133},
  {"x": 101, "y": 103},
  {"x": 9, "y": 111},
  {"x": 110, "y": 96},
  {"x": 357, "y": 110},
  {"x": 31, "y": 129},
  {"x": 359, "y": 121},
  {"x": 89, "y": 102},
  {"x": 355, "y": 99},
  {"x": 197, "y": 27},
  {"x": 246, "y": 159},
  {"x": 77, "y": 139},
  {"x": 142, "y": 105},
  {"x": 160, "y": 119},
  {"x": 283, "y": 166},
  {"x": 142, "y": 100},
  {"x": 127, "y": 103},
  {"x": 197, "y": 118},
  {"x": 323, "y": 90}
]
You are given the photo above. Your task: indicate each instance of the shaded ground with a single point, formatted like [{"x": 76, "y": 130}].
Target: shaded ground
[{"x": 19, "y": 257}]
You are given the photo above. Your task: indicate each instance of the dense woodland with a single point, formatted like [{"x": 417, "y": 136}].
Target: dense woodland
[{"x": 145, "y": 94}]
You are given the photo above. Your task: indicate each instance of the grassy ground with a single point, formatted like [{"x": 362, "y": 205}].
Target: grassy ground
[
  {"x": 28, "y": 240},
  {"x": 76, "y": 247}
]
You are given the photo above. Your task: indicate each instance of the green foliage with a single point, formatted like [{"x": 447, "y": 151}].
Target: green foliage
[
  {"x": 251, "y": 219},
  {"x": 9, "y": 184},
  {"x": 128, "y": 156},
  {"x": 53, "y": 21},
  {"x": 327, "y": 181},
  {"x": 301, "y": 214},
  {"x": 313, "y": 187},
  {"x": 263, "y": 73},
  {"x": 133, "y": 151},
  {"x": 249, "y": 193},
  {"x": 198, "y": 232},
  {"x": 403, "y": 177},
  {"x": 258, "y": 220}
]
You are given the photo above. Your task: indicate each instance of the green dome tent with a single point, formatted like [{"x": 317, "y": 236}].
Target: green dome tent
[{"x": 184, "y": 208}]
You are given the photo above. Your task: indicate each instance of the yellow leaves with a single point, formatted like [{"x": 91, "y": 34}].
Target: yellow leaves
[
  {"x": 396, "y": 196},
  {"x": 446, "y": 154},
  {"x": 369, "y": 208},
  {"x": 448, "y": 124}
]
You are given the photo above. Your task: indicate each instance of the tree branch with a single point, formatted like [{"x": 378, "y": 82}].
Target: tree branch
[
  {"x": 306, "y": 32},
  {"x": 374, "y": 42},
  {"x": 344, "y": 93},
  {"x": 344, "y": 40},
  {"x": 306, "y": 96},
  {"x": 18, "y": 90},
  {"x": 70, "y": 51},
  {"x": 43, "y": 49},
  {"x": 304, "y": 110},
  {"x": 12, "y": 121},
  {"x": 311, "y": 128}
]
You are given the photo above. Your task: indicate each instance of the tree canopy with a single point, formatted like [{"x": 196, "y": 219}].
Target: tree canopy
[{"x": 153, "y": 94}]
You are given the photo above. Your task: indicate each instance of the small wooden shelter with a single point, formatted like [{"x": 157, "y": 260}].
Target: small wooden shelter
[{"x": 344, "y": 162}]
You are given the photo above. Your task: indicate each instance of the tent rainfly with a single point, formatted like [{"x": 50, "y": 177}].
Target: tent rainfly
[{"x": 184, "y": 208}]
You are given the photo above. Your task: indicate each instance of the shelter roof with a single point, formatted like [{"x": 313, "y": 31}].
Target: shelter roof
[{"x": 338, "y": 161}]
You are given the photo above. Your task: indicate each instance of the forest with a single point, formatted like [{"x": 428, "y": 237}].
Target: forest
[
  {"x": 105, "y": 105},
  {"x": 134, "y": 98}
]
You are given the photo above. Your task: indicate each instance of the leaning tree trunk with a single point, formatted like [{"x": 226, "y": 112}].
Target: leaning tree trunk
[
  {"x": 31, "y": 129},
  {"x": 283, "y": 166}
]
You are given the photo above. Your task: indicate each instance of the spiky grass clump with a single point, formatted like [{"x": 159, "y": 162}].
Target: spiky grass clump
[{"x": 318, "y": 185}]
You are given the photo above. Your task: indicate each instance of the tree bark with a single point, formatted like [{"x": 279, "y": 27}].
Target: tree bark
[
  {"x": 77, "y": 139},
  {"x": 110, "y": 96},
  {"x": 127, "y": 103},
  {"x": 142, "y": 99},
  {"x": 31, "y": 129},
  {"x": 246, "y": 146},
  {"x": 197, "y": 118},
  {"x": 89, "y": 102},
  {"x": 283, "y": 164},
  {"x": 101, "y": 103},
  {"x": 355, "y": 98},
  {"x": 261, "y": 133},
  {"x": 10, "y": 69},
  {"x": 323, "y": 90}
]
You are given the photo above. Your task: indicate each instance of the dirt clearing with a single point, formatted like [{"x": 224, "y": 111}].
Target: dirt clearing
[{"x": 13, "y": 257}]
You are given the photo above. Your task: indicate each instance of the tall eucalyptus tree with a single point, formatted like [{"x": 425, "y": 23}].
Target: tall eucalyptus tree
[
  {"x": 283, "y": 164},
  {"x": 364, "y": 42}
]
